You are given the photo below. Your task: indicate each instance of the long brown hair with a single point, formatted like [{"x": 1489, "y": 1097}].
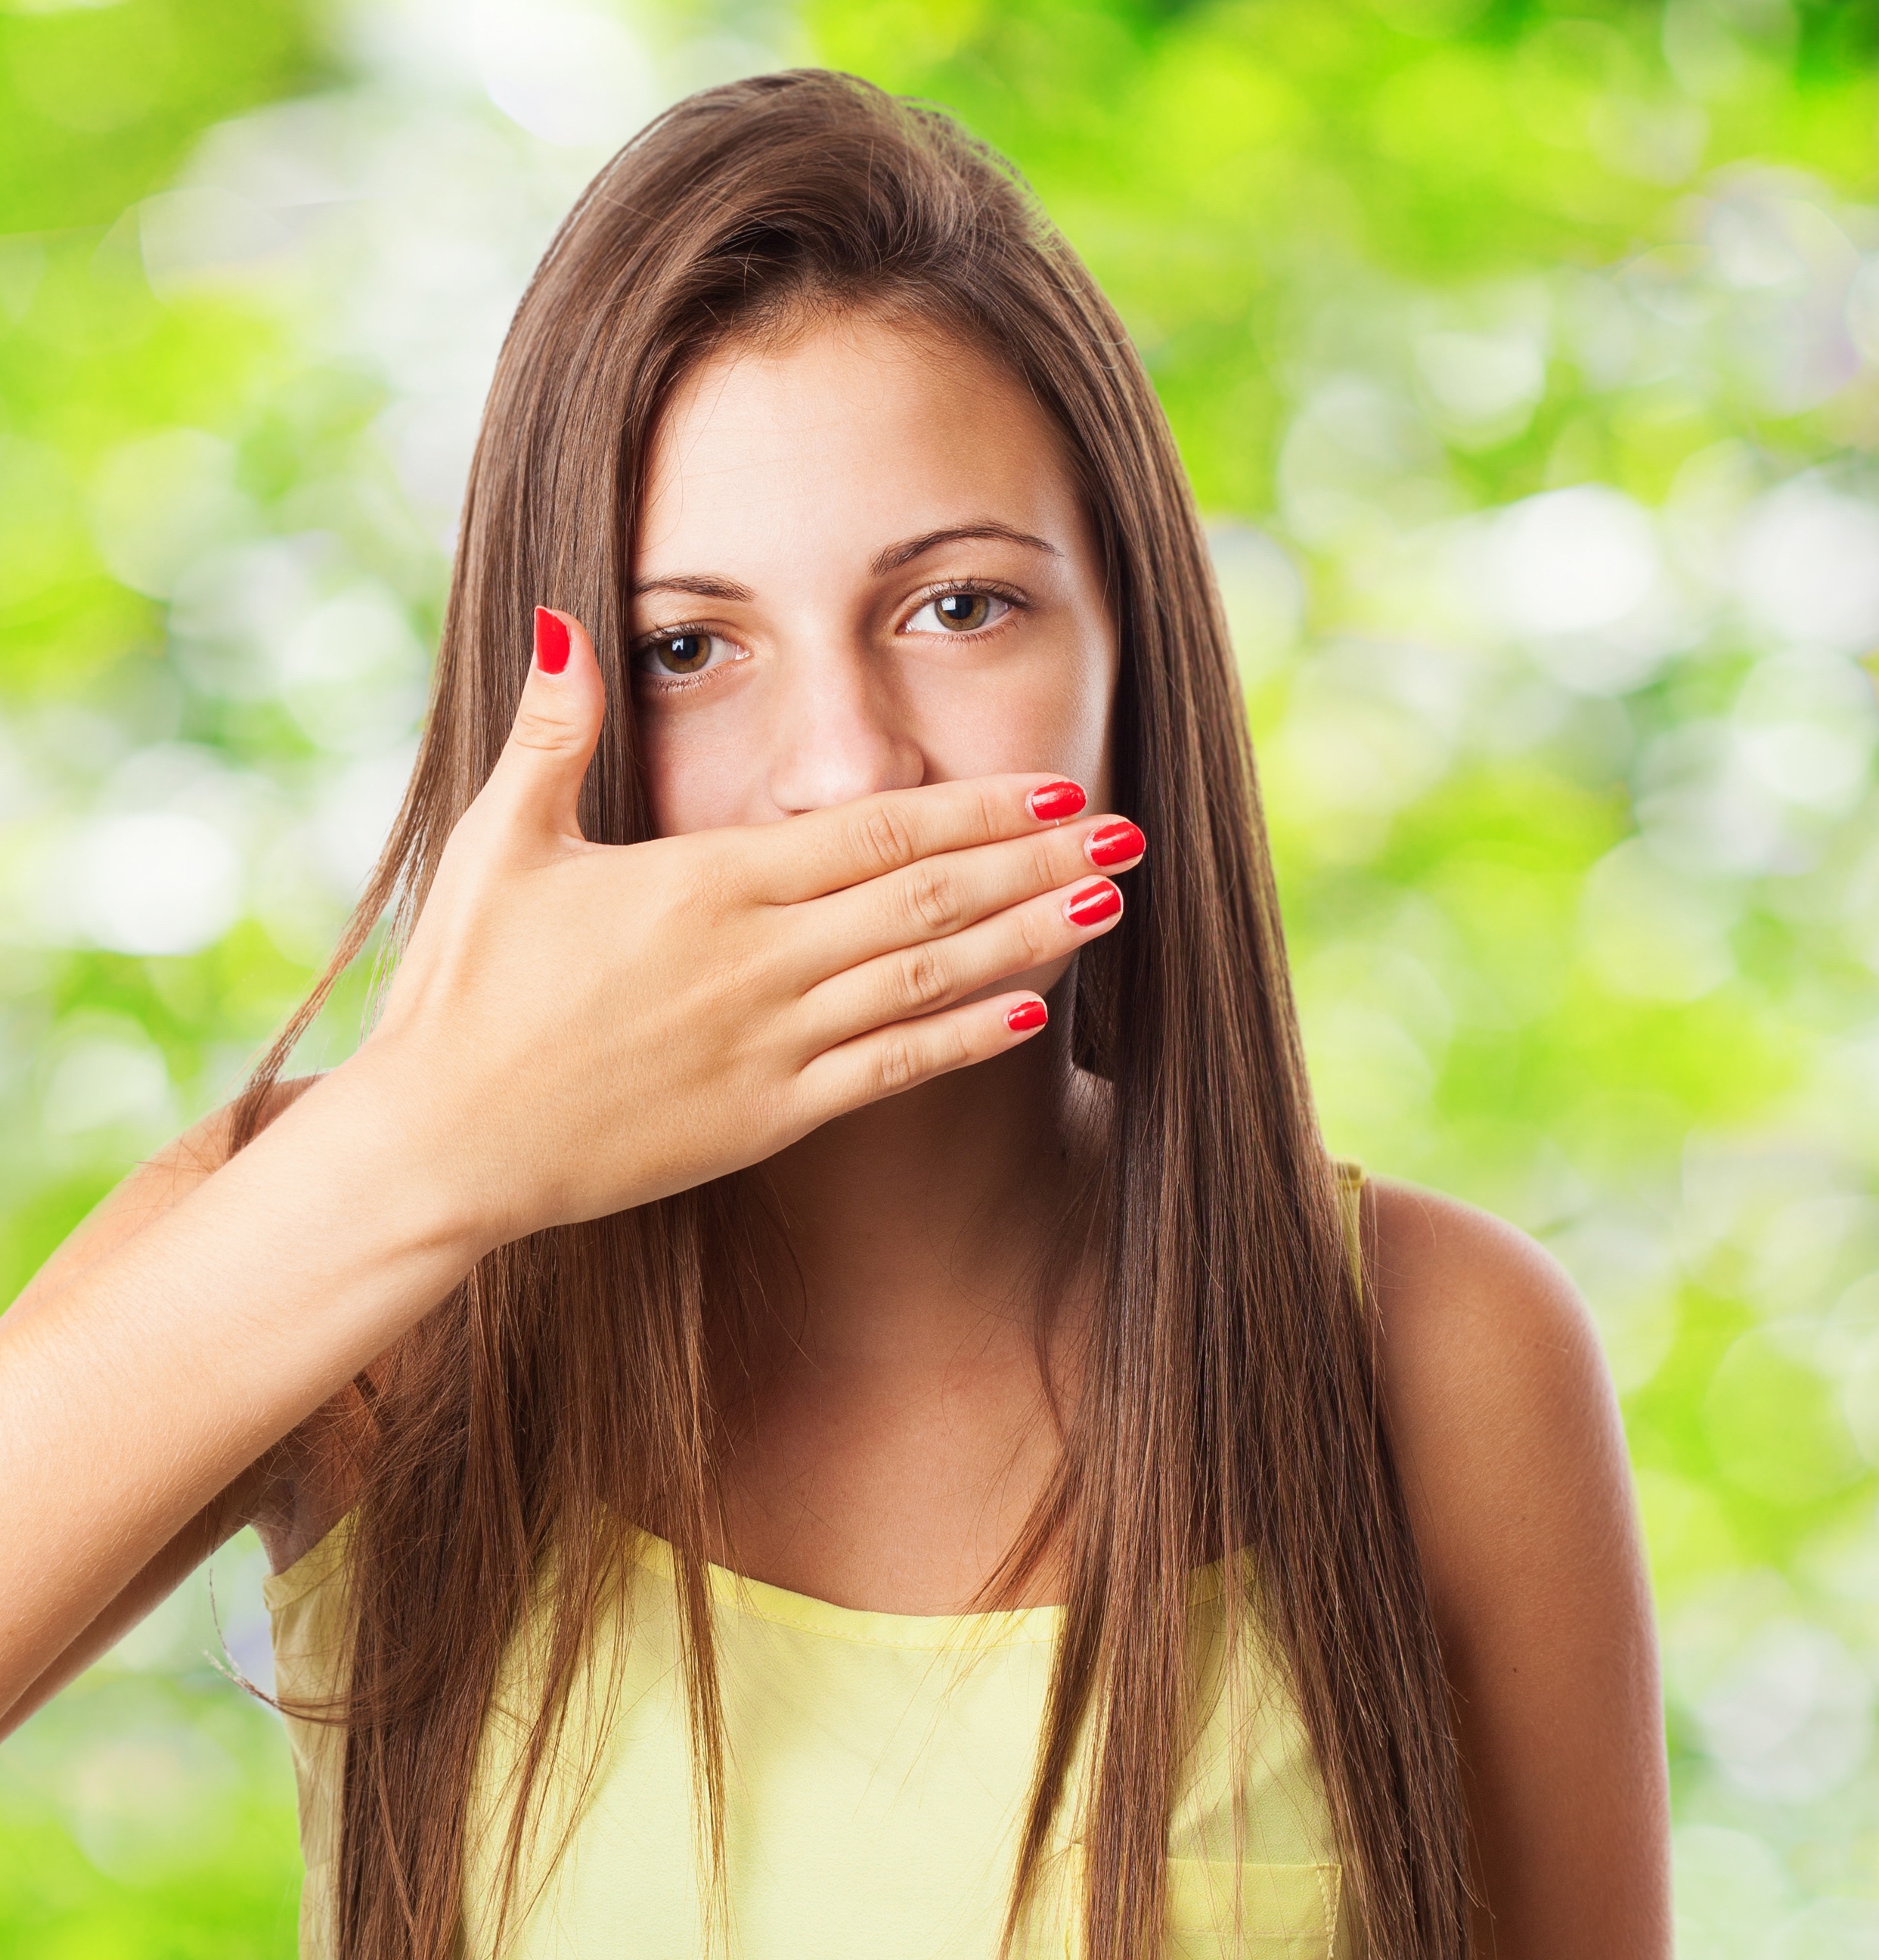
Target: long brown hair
[{"x": 1232, "y": 1403}]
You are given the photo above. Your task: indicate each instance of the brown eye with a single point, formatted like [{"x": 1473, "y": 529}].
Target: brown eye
[
  {"x": 959, "y": 613},
  {"x": 963, "y": 611},
  {"x": 683, "y": 653}
]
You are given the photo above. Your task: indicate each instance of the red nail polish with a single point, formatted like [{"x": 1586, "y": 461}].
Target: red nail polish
[
  {"x": 550, "y": 640},
  {"x": 1027, "y": 1015},
  {"x": 1114, "y": 843},
  {"x": 1094, "y": 904},
  {"x": 1055, "y": 802}
]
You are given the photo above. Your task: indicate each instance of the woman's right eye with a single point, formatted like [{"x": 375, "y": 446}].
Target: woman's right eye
[{"x": 675, "y": 656}]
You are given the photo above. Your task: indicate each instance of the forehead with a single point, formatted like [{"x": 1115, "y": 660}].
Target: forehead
[{"x": 854, "y": 426}]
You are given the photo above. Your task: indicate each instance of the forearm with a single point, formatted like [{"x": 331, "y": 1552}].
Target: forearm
[
  {"x": 174, "y": 1562},
  {"x": 133, "y": 1394}
]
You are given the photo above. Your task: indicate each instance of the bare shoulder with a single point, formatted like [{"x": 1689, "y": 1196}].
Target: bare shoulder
[
  {"x": 1506, "y": 1429},
  {"x": 1502, "y": 1412},
  {"x": 1506, "y": 1433},
  {"x": 1444, "y": 1267}
]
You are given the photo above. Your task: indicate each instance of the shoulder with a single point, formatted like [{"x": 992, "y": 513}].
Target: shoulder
[
  {"x": 1502, "y": 1410},
  {"x": 1459, "y": 1287},
  {"x": 1505, "y": 1427}
]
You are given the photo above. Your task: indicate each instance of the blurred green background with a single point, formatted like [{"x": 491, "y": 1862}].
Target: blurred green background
[{"x": 1525, "y": 354}]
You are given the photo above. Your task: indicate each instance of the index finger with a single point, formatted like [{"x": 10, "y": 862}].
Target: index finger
[{"x": 825, "y": 850}]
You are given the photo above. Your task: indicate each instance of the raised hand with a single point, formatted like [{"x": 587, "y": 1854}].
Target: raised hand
[
  {"x": 577, "y": 1028},
  {"x": 574, "y": 1029}
]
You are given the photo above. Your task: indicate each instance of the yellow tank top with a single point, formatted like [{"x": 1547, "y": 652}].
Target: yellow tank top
[{"x": 879, "y": 1765}]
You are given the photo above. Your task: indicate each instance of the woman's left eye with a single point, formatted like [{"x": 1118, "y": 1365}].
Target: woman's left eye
[{"x": 958, "y": 613}]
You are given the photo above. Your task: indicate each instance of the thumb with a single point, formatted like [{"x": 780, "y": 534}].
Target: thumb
[{"x": 538, "y": 777}]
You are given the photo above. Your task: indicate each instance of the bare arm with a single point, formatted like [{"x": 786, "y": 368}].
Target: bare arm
[
  {"x": 1507, "y": 1436},
  {"x": 265, "y": 1494},
  {"x": 150, "y": 1191},
  {"x": 200, "y": 1539},
  {"x": 573, "y": 1029},
  {"x": 167, "y": 1350}
]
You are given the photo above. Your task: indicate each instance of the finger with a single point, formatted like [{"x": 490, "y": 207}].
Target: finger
[
  {"x": 828, "y": 850},
  {"x": 536, "y": 781},
  {"x": 919, "y": 980},
  {"x": 889, "y": 1060},
  {"x": 944, "y": 894}
]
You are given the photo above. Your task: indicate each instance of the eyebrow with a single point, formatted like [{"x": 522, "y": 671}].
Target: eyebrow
[
  {"x": 700, "y": 585},
  {"x": 708, "y": 585},
  {"x": 895, "y": 556}
]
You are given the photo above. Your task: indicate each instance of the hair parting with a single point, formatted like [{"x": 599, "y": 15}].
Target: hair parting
[{"x": 562, "y": 1398}]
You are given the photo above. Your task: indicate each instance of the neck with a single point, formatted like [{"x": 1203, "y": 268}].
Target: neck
[
  {"x": 895, "y": 1432},
  {"x": 925, "y": 1220}
]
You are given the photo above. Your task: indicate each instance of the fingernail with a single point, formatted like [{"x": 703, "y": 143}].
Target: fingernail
[
  {"x": 1093, "y": 904},
  {"x": 1027, "y": 1015},
  {"x": 1114, "y": 843},
  {"x": 1055, "y": 802},
  {"x": 550, "y": 640}
]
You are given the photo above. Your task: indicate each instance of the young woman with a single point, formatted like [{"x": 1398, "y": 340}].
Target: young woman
[{"x": 811, "y": 1389}]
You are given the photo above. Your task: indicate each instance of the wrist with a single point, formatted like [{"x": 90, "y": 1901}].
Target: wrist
[{"x": 372, "y": 1122}]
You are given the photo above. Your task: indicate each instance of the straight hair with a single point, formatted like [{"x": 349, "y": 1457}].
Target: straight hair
[{"x": 564, "y": 1393}]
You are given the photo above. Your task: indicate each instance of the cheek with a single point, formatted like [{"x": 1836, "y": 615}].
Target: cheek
[
  {"x": 701, "y": 771},
  {"x": 1054, "y": 713}
]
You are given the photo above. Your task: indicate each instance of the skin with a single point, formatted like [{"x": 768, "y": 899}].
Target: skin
[
  {"x": 1507, "y": 1438},
  {"x": 753, "y": 1008},
  {"x": 829, "y": 675}
]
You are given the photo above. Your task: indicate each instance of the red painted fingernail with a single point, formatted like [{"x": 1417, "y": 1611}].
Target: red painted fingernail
[
  {"x": 1027, "y": 1015},
  {"x": 1114, "y": 843},
  {"x": 1093, "y": 904},
  {"x": 1055, "y": 802},
  {"x": 550, "y": 640}
]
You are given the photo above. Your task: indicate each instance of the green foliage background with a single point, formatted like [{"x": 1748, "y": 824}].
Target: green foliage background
[{"x": 1525, "y": 356}]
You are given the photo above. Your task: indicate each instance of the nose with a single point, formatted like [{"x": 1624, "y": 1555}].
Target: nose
[{"x": 838, "y": 732}]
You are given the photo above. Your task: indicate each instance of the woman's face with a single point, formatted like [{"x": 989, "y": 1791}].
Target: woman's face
[{"x": 863, "y": 565}]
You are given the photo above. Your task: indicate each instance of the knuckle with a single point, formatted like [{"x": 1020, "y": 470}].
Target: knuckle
[
  {"x": 896, "y": 1065},
  {"x": 1033, "y": 935},
  {"x": 932, "y": 899},
  {"x": 882, "y": 837},
  {"x": 535, "y": 728},
  {"x": 921, "y": 978}
]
